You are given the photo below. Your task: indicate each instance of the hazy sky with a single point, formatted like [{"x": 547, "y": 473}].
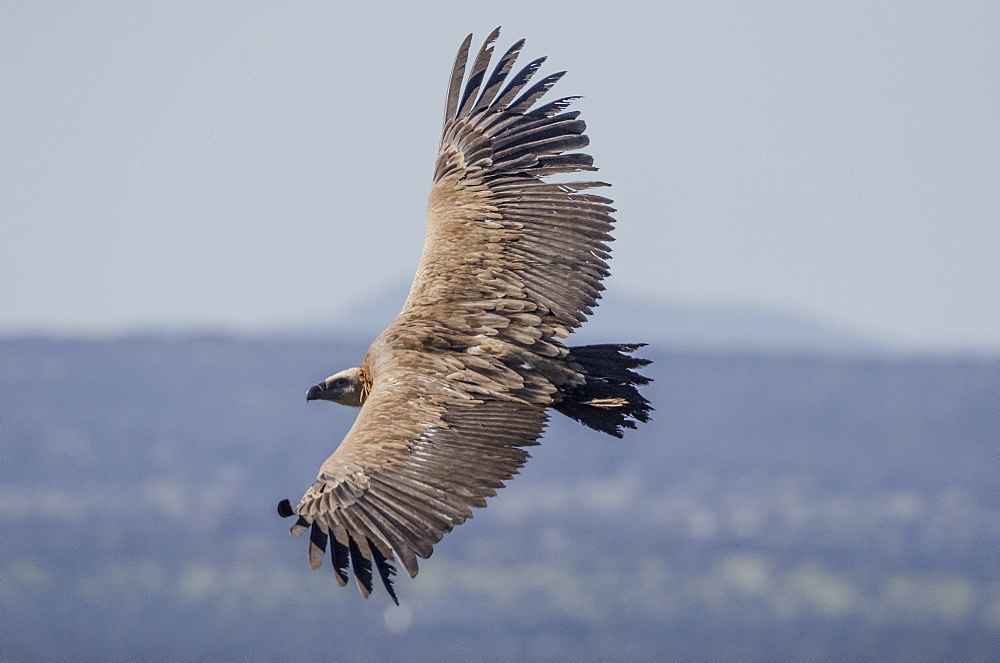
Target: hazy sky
[{"x": 247, "y": 165}]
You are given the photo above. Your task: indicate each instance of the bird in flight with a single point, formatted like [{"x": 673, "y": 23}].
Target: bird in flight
[{"x": 457, "y": 386}]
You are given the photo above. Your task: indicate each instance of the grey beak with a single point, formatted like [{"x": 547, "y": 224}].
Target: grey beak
[{"x": 315, "y": 392}]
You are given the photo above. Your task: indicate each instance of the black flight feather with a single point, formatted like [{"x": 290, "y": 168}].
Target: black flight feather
[
  {"x": 385, "y": 570},
  {"x": 497, "y": 78},
  {"x": 362, "y": 568},
  {"x": 340, "y": 557}
]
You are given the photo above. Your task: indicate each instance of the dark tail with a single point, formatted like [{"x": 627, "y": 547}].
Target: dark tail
[{"x": 608, "y": 401}]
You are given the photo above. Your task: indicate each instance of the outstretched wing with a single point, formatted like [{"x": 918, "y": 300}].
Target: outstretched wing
[
  {"x": 507, "y": 253},
  {"x": 421, "y": 453},
  {"x": 511, "y": 264}
]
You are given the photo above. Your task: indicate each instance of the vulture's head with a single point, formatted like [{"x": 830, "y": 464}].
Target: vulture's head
[{"x": 345, "y": 387}]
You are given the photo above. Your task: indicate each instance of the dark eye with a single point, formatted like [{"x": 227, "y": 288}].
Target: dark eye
[{"x": 339, "y": 382}]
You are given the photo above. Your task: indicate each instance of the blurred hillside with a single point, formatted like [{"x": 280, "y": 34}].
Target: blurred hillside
[
  {"x": 780, "y": 506},
  {"x": 664, "y": 324}
]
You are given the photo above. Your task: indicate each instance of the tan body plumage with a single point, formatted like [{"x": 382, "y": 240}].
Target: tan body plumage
[{"x": 460, "y": 382}]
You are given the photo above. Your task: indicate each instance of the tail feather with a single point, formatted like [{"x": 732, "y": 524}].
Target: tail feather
[{"x": 608, "y": 401}]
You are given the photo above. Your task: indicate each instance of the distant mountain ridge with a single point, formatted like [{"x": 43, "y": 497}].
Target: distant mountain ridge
[{"x": 623, "y": 318}]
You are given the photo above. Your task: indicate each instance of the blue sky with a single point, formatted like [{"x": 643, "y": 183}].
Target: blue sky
[{"x": 243, "y": 166}]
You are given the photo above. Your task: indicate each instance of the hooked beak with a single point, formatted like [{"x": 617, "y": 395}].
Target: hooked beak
[{"x": 316, "y": 392}]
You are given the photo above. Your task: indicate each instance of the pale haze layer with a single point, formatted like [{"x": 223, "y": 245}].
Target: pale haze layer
[{"x": 242, "y": 167}]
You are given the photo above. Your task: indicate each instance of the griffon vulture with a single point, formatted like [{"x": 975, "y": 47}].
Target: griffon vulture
[{"x": 452, "y": 392}]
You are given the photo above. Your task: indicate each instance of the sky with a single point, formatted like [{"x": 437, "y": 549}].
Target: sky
[{"x": 243, "y": 166}]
